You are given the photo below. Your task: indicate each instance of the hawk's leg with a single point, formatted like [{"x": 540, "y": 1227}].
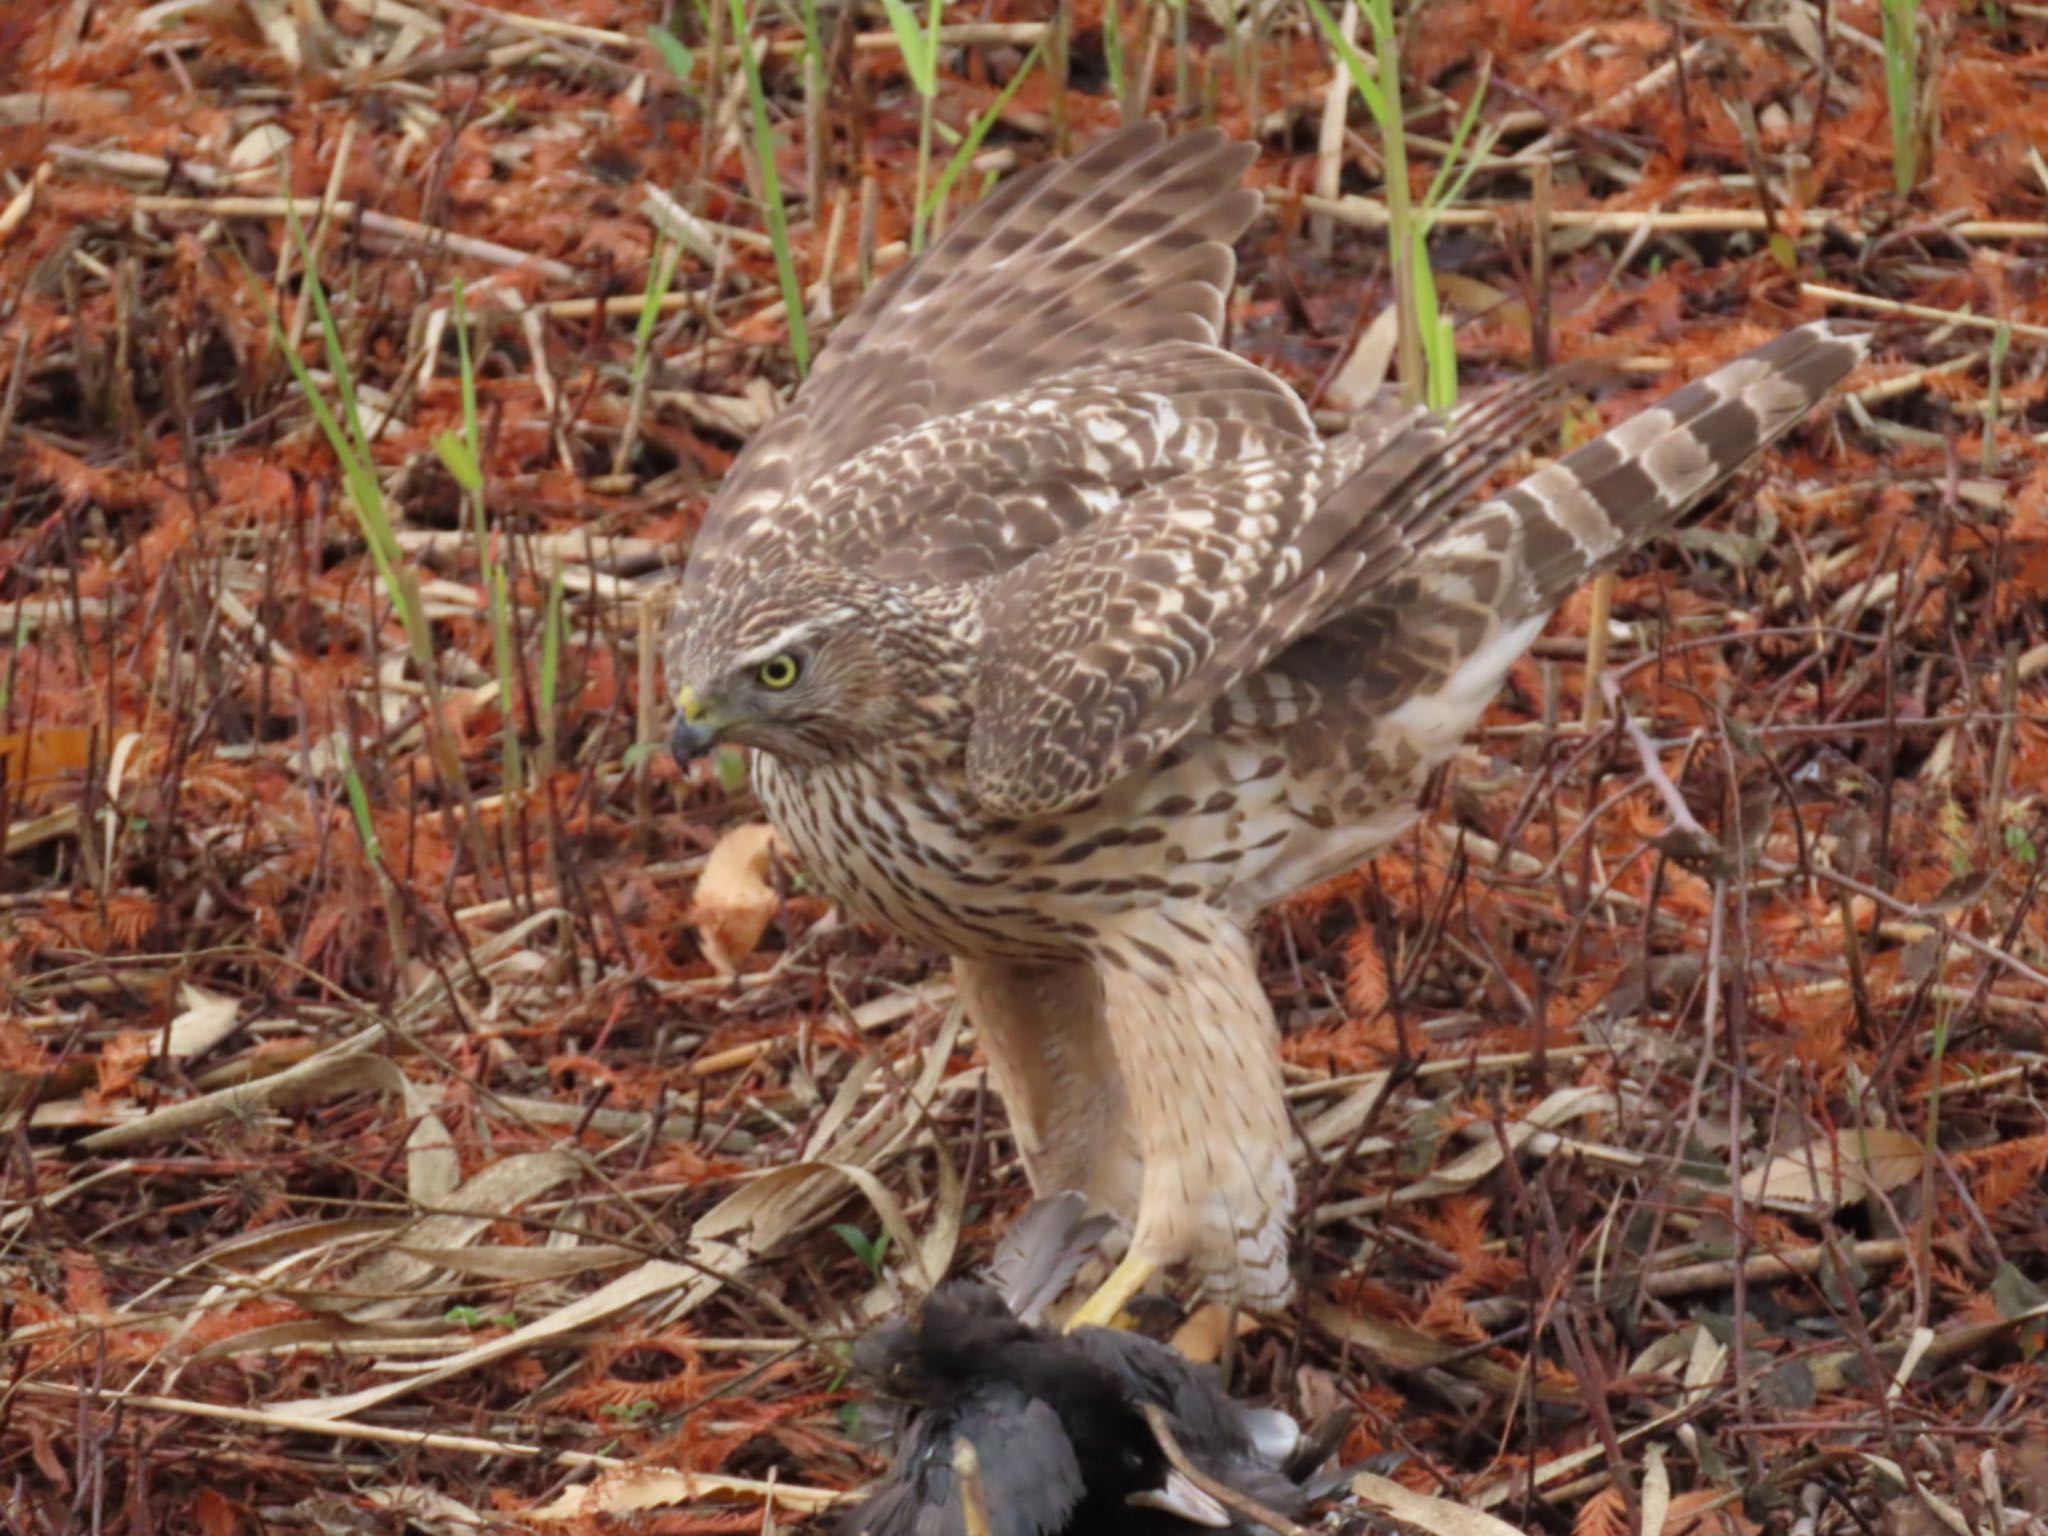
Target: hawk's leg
[
  {"x": 1055, "y": 1068},
  {"x": 1194, "y": 1033}
]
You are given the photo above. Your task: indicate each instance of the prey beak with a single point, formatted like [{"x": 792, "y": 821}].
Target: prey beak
[
  {"x": 1179, "y": 1496},
  {"x": 696, "y": 727}
]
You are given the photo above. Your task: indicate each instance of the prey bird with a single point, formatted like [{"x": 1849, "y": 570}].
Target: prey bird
[
  {"x": 1066, "y": 645},
  {"x": 1057, "y": 1421}
]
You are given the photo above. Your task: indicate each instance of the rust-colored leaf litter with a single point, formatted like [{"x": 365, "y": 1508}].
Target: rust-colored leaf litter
[{"x": 395, "y": 1136}]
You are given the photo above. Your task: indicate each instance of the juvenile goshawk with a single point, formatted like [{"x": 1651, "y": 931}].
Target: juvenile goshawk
[{"x": 1067, "y": 645}]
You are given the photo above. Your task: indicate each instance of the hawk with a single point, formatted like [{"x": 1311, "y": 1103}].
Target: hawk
[{"x": 1066, "y": 644}]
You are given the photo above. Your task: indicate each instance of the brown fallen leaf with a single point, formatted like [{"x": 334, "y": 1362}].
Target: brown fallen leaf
[
  {"x": 1833, "y": 1171},
  {"x": 735, "y": 901},
  {"x": 33, "y": 762}
]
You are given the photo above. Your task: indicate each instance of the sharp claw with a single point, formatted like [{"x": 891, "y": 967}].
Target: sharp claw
[{"x": 1105, "y": 1307}]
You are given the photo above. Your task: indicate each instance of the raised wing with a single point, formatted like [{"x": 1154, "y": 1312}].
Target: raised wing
[
  {"x": 972, "y": 494},
  {"x": 1099, "y": 653},
  {"x": 1072, "y": 265}
]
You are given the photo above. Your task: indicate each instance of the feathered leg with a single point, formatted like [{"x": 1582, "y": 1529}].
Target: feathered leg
[
  {"x": 1195, "y": 1034},
  {"x": 1053, "y": 1065}
]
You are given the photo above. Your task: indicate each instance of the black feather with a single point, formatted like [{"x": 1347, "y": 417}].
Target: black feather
[{"x": 1057, "y": 1423}]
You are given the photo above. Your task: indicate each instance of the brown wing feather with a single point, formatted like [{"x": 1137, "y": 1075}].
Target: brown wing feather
[
  {"x": 1520, "y": 553},
  {"x": 1124, "y": 247},
  {"x": 971, "y": 494},
  {"x": 1101, "y": 652}
]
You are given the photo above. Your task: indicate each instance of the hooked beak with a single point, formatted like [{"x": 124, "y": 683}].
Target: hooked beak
[
  {"x": 1179, "y": 1496},
  {"x": 696, "y": 727}
]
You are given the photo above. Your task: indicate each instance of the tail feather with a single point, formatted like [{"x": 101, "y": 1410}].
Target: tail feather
[
  {"x": 1643, "y": 476},
  {"x": 1436, "y": 637}
]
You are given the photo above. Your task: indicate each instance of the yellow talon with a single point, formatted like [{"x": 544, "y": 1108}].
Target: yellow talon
[{"x": 1105, "y": 1308}]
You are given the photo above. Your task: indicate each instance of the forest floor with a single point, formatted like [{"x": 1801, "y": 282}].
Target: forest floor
[{"x": 403, "y": 1130}]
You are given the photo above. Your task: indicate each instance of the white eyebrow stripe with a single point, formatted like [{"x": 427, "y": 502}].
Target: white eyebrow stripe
[{"x": 792, "y": 636}]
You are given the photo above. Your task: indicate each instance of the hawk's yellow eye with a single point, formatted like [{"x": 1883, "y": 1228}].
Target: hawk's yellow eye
[{"x": 777, "y": 672}]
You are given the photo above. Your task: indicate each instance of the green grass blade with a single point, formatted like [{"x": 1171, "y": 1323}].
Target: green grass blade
[
  {"x": 919, "y": 58},
  {"x": 971, "y": 144},
  {"x": 359, "y": 802},
  {"x": 1901, "y": 20},
  {"x": 497, "y": 586},
  {"x": 680, "y": 61},
  {"x": 772, "y": 209},
  {"x": 471, "y": 434},
  {"x": 1448, "y": 185},
  {"x": 365, "y": 496},
  {"x": 1363, "y": 79},
  {"x": 1113, "y": 49},
  {"x": 661, "y": 275},
  {"x": 550, "y": 671}
]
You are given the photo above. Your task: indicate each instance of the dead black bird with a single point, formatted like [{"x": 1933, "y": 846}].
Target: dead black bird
[{"x": 1056, "y": 1422}]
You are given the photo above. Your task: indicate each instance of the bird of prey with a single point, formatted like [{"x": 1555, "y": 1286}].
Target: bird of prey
[
  {"x": 1057, "y": 1421},
  {"x": 1066, "y": 644}
]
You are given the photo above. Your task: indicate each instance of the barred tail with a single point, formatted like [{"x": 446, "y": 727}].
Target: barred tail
[
  {"x": 1421, "y": 659},
  {"x": 1577, "y": 513}
]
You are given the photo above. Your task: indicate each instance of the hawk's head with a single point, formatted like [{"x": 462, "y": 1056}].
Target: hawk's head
[{"x": 804, "y": 662}]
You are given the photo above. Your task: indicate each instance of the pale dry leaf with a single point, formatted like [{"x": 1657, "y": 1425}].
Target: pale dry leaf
[
  {"x": 1482, "y": 300},
  {"x": 496, "y": 1261},
  {"x": 1365, "y": 370},
  {"x": 1469, "y": 1167},
  {"x": 765, "y": 1204},
  {"x": 632, "y": 1489},
  {"x": 735, "y": 900},
  {"x": 1666, "y": 1354},
  {"x": 657, "y": 1277},
  {"x": 1335, "y": 1126},
  {"x": 76, "y": 1115},
  {"x": 298, "y": 1239},
  {"x": 942, "y": 1230},
  {"x": 398, "y": 1279},
  {"x": 1804, "y": 32},
  {"x": 825, "y": 1135},
  {"x": 1916, "y": 1348},
  {"x": 260, "y": 148},
  {"x": 1656, "y": 1491},
  {"x": 1836, "y": 1171},
  {"x": 432, "y": 1166},
  {"x": 893, "y": 1008},
  {"x": 205, "y": 1019},
  {"x": 303, "y": 1336},
  {"x": 1703, "y": 1370},
  {"x": 1440, "y": 1517},
  {"x": 426, "y": 1509},
  {"x": 778, "y": 1205},
  {"x": 432, "y": 1169},
  {"x": 341, "y": 1068},
  {"x": 1394, "y": 1345}
]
